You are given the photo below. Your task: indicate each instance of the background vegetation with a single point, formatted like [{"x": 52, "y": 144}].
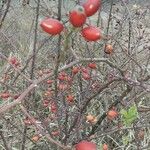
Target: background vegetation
[{"x": 121, "y": 80}]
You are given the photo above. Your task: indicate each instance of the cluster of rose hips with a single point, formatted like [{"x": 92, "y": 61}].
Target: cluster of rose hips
[
  {"x": 77, "y": 17},
  {"x": 65, "y": 82},
  {"x": 65, "y": 79},
  {"x": 5, "y": 95}
]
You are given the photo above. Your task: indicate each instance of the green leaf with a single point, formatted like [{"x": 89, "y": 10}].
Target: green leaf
[
  {"x": 129, "y": 116},
  {"x": 124, "y": 112},
  {"x": 125, "y": 139}
]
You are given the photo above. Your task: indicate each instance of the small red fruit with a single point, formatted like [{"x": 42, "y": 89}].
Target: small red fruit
[
  {"x": 86, "y": 76},
  {"x": 92, "y": 65},
  {"x": 105, "y": 147},
  {"x": 45, "y": 103},
  {"x": 70, "y": 98},
  {"x": 16, "y": 96},
  {"x": 108, "y": 49},
  {"x": 62, "y": 76},
  {"x": 55, "y": 133},
  {"x": 75, "y": 70},
  {"x": 35, "y": 138},
  {"x": 77, "y": 16},
  {"x": 27, "y": 122},
  {"x": 52, "y": 26},
  {"x": 91, "y": 119},
  {"x": 91, "y": 7},
  {"x": 53, "y": 107},
  {"x": 111, "y": 114},
  {"x": 5, "y": 95},
  {"x": 49, "y": 81},
  {"x": 85, "y": 70},
  {"x": 62, "y": 86},
  {"x": 85, "y": 145},
  {"x": 91, "y": 33},
  {"x": 14, "y": 61}
]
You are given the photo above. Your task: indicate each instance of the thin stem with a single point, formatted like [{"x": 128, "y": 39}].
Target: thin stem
[
  {"x": 32, "y": 66},
  {"x": 5, "y": 13},
  {"x": 109, "y": 19},
  {"x": 59, "y": 50},
  {"x": 35, "y": 41}
]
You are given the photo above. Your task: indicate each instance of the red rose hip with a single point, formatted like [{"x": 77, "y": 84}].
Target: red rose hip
[
  {"x": 85, "y": 145},
  {"x": 51, "y": 26},
  {"x": 77, "y": 16},
  {"x": 92, "y": 65},
  {"x": 91, "y": 7},
  {"x": 91, "y": 33}
]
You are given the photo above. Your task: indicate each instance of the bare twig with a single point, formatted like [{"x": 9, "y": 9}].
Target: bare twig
[
  {"x": 5, "y": 13},
  {"x": 35, "y": 41},
  {"x": 58, "y": 51}
]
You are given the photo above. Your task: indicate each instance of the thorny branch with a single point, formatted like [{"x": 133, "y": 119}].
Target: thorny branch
[{"x": 118, "y": 100}]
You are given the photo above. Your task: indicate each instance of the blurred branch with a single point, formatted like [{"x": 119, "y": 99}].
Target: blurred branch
[
  {"x": 136, "y": 83},
  {"x": 58, "y": 51},
  {"x": 34, "y": 53},
  {"x": 35, "y": 41},
  {"x": 5, "y": 13},
  {"x": 110, "y": 17},
  {"x": 117, "y": 129}
]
